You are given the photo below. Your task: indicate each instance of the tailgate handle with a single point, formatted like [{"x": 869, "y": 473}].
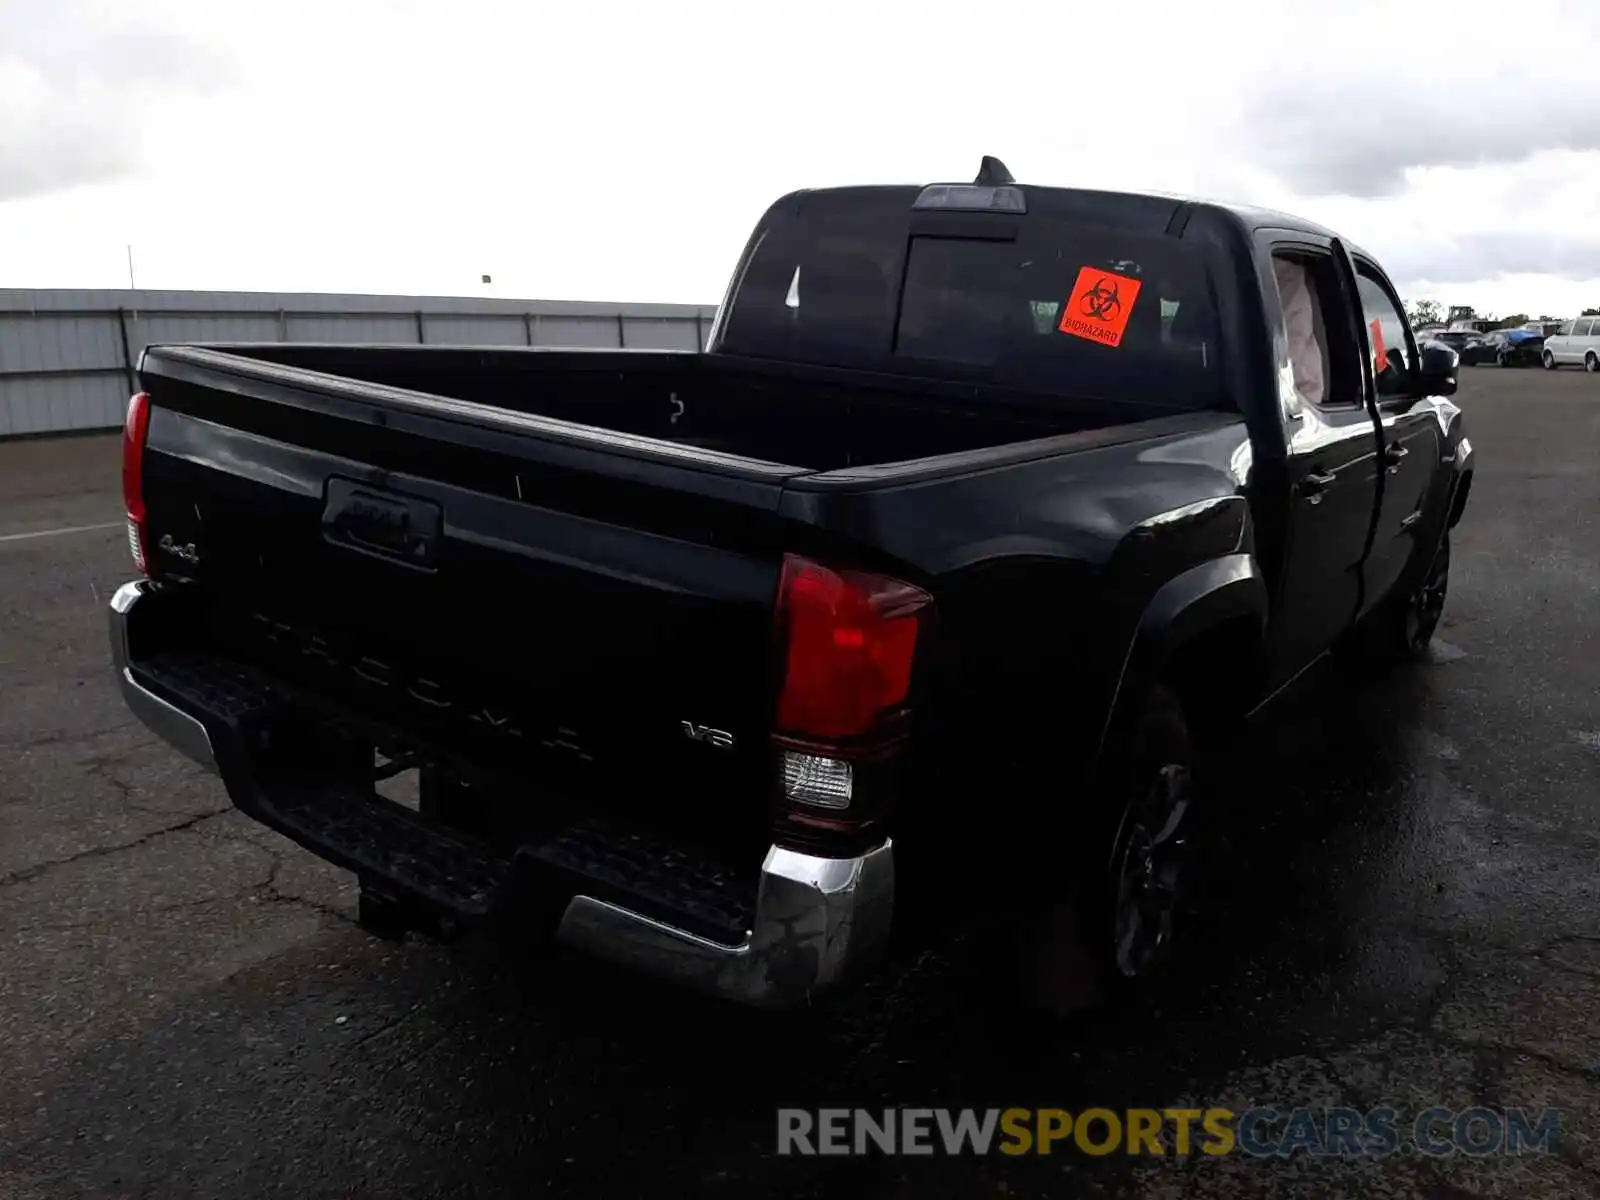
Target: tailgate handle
[{"x": 389, "y": 525}]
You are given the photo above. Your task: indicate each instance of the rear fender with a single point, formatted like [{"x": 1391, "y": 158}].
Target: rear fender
[{"x": 1222, "y": 595}]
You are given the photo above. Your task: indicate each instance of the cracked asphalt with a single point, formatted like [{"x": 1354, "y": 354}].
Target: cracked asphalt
[{"x": 1400, "y": 905}]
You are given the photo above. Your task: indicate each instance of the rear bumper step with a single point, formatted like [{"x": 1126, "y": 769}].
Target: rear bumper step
[{"x": 774, "y": 939}]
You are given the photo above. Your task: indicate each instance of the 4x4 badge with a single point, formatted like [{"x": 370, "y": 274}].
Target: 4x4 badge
[{"x": 183, "y": 550}]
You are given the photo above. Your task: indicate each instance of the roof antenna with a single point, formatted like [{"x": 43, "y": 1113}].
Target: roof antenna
[{"x": 993, "y": 172}]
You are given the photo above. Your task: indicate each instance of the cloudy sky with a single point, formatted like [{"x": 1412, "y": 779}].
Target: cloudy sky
[{"x": 620, "y": 149}]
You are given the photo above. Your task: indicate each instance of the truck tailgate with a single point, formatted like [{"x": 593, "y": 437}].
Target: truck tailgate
[{"x": 588, "y": 615}]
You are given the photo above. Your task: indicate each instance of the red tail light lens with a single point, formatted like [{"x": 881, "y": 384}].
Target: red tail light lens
[
  {"x": 135, "y": 430},
  {"x": 850, "y": 641}
]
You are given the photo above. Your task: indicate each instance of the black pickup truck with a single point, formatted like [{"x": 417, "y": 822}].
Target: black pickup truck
[{"x": 922, "y": 587}]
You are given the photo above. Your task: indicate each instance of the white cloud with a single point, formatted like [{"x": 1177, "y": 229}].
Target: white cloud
[
  {"x": 71, "y": 84},
  {"x": 1418, "y": 91},
  {"x": 621, "y": 149}
]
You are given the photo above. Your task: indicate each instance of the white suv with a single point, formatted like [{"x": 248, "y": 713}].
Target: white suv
[{"x": 1576, "y": 343}]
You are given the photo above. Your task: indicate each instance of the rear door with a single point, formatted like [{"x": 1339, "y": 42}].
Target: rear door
[
  {"x": 1332, "y": 460},
  {"x": 1412, "y": 438}
]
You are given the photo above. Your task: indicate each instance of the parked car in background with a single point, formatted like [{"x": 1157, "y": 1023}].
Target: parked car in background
[
  {"x": 1456, "y": 339},
  {"x": 1479, "y": 350},
  {"x": 1504, "y": 348},
  {"x": 1576, "y": 343},
  {"x": 1518, "y": 348}
]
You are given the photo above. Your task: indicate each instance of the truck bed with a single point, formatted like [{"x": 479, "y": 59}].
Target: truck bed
[
  {"x": 813, "y": 419},
  {"x": 559, "y": 570}
]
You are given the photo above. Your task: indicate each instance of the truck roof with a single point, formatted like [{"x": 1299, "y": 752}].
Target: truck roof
[{"x": 1148, "y": 211}]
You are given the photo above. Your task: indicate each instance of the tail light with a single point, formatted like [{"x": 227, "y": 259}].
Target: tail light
[
  {"x": 849, "y": 642},
  {"x": 135, "y": 430}
]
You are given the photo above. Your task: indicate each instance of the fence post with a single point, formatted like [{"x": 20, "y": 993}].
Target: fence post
[{"x": 127, "y": 352}]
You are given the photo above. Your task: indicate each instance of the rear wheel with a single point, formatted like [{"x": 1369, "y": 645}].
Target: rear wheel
[
  {"x": 1113, "y": 930},
  {"x": 1403, "y": 629},
  {"x": 1148, "y": 867}
]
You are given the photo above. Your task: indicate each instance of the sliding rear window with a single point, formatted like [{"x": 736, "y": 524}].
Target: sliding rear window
[{"x": 1034, "y": 303}]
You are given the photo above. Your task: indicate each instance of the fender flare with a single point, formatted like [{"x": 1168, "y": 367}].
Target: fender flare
[
  {"x": 1184, "y": 608},
  {"x": 1464, "y": 460}
]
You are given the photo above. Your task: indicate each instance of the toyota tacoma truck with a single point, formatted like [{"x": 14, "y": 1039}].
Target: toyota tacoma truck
[{"x": 924, "y": 585}]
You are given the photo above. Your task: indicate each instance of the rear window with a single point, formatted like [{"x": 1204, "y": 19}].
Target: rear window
[{"x": 1036, "y": 304}]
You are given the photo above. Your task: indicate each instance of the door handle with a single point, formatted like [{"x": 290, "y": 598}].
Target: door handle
[
  {"x": 1316, "y": 483},
  {"x": 1394, "y": 452}
]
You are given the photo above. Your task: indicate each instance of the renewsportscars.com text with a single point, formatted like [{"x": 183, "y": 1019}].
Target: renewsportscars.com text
[{"x": 1260, "y": 1132}]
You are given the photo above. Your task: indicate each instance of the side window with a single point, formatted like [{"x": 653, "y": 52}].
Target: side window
[
  {"x": 1582, "y": 328},
  {"x": 1565, "y": 330},
  {"x": 1385, "y": 336},
  {"x": 1321, "y": 349}
]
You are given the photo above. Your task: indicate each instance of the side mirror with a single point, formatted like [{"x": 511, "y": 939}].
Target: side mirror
[{"x": 1436, "y": 370}]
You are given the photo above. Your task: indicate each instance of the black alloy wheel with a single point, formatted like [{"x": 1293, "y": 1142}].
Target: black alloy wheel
[
  {"x": 1149, "y": 872},
  {"x": 1426, "y": 605}
]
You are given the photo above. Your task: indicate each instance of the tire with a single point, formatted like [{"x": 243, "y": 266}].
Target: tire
[
  {"x": 1548, "y": 361},
  {"x": 1112, "y": 933},
  {"x": 1591, "y": 363},
  {"x": 1402, "y": 630}
]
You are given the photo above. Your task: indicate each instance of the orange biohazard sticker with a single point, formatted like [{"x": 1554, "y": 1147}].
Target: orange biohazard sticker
[
  {"x": 1099, "y": 307},
  {"x": 1380, "y": 355}
]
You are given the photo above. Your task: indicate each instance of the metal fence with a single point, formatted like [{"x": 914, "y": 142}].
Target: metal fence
[{"x": 67, "y": 358}]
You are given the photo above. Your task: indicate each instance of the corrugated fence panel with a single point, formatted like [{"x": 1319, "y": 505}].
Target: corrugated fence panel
[
  {"x": 156, "y": 328},
  {"x": 337, "y": 327},
  {"x": 52, "y": 403},
  {"x": 59, "y": 343},
  {"x": 67, "y": 356},
  {"x": 654, "y": 333},
  {"x": 601, "y": 333},
  {"x": 475, "y": 331}
]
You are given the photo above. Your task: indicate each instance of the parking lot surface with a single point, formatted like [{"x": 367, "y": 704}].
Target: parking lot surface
[{"x": 1400, "y": 905}]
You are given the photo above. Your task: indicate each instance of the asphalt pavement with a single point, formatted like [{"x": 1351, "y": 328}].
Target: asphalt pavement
[{"x": 1400, "y": 905}]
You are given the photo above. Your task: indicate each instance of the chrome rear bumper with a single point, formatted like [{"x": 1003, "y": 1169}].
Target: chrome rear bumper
[
  {"x": 817, "y": 920},
  {"x": 167, "y": 721}
]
